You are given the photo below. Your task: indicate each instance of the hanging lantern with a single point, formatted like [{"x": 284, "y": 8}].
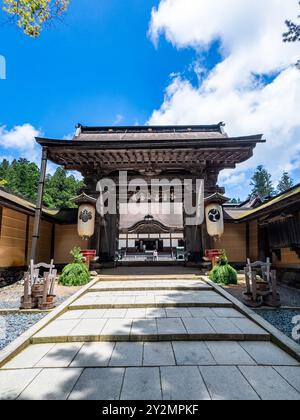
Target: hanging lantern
[
  {"x": 214, "y": 214},
  {"x": 86, "y": 215}
]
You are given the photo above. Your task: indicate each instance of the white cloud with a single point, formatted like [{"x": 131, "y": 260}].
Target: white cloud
[
  {"x": 250, "y": 37},
  {"x": 20, "y": 140},
  {"x": 118, "y": 119}
]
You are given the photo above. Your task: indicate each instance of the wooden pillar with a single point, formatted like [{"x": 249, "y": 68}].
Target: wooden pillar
[
  {"x": 26, "y": 241},
  {"x": 109, "y": 235},
  {"x": 193, "y": 238},
  {"x": 38, "y": 208},
  {"x": 1, "y": 215},
  {"x": 248, "y": 250}
]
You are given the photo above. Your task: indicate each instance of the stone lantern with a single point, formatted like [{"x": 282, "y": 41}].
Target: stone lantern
[
  {"x": 214, "y": 214},
  {"x": 86, "y": 215}
]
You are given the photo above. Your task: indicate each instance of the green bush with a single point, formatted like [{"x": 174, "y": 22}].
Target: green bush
[
  {"x": 76, "y": 273},
  {"x": 223, "y": 273}
]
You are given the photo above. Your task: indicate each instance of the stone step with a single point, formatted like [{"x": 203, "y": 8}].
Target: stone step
[
  {"x": 156, "y": 329},
  {"x": 125, "y": 354},
  {"x": 139, "y": 285},
  {"x": 142, "y": 299}
]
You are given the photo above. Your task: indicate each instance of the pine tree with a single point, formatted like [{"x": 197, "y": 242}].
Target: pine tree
[
  {"x": 261, "y": 183},
  {"x": 60, "y": 189},
  {"x": 285, "y": 183},
  {"x": 4, "y": 166}
]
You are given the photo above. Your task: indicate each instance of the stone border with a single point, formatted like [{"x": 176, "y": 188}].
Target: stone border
[
  {"x": 25, "y": 339},
  {"x": 24, "y": 311},
  {"x": 277, "y": 337},
  {"x": 136, "y": 277}
]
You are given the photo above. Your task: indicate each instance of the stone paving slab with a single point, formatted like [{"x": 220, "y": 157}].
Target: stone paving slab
[
  {"x": 60, "y": 356},
  {"x": 229, "y": 353},
  {"x": 154, "y": 312},
  {"x": 116, "y": 330},
  {"x": 192, "y": 353},
  {"x": 126, "y": 354},
  {"x": 291, "y": 375},
  {"x": 147, "y": 329},
  {"x": 93, "y": 355},
  {"x": 143, "y": 329},
  {"x": 268, "y": 354},
  {"x": 29, "y": 357},
  {"x": 94, "y": 300},
  {"x": 195, "y": 382},
  {"x": 142, "y": 384},
  {"x": 227, "y": 383},
  {"x": 183, "y": 383},
  {"x": 98, "y": 384},
  {"x": 268, "y": 384},
  {"x": 140, "y": 285},
  {"x": 158, "y": 354},
  {"x": 13, "y": 382},
  {"x": 51, "y": 384}
]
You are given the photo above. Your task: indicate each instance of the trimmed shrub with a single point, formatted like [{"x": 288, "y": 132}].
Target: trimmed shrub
[
  {"x": 223, "y": 272},
  {"x": 76, "y": 273}
]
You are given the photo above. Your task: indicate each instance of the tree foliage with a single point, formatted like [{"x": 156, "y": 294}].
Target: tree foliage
[
  {"x": 293, "y": 33},
  {"x": 21, "y": 177},
  {"x": 32, "y": 15},
  {"x": 60, "y": 188},
  {"x": 261, "y": 183},
  {"x": 285, "y": 183}
]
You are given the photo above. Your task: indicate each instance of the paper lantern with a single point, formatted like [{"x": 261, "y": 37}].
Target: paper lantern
[
  {"x": 214, "y": 214},
  {"x": 86, "y": 220},
  {"x": 214, "y": 219},
  {"x": 86, "y": 215}
]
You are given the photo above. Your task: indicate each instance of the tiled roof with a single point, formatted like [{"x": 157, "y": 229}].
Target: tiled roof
[
  {"x": 276, "y": 200},
  {"x": 191, "y": 132},
  {"x": 22, "y": 202}
]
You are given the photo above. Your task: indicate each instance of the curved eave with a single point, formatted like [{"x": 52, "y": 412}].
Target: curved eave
[{"x": 246, "y": 141}]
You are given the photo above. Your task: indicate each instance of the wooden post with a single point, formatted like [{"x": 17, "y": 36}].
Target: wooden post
[
  {"x": 46, "y": 290},
  {"x": 39, "y": 204}
]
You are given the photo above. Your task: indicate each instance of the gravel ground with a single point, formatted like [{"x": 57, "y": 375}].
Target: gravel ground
[
  {"x": 15, "y": 324},
  {"x": 290, "y": 297},
  {"x": 10, "y": 296},
  {"x": 279, "y": 318},
  {"x": 282, "y": 320}
]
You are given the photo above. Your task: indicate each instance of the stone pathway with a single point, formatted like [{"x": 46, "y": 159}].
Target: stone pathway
[{"x": 151, "y": 340}]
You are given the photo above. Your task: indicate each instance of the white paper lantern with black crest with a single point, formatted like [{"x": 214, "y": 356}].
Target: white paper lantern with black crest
[
  {"x": 214, "y": 214},
  {"x": 86, "y": 215}
]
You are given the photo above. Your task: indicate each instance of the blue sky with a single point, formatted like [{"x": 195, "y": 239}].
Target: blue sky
[
  {"x": 99, "y": 66},
  {"x": 94, "y": 68}
]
